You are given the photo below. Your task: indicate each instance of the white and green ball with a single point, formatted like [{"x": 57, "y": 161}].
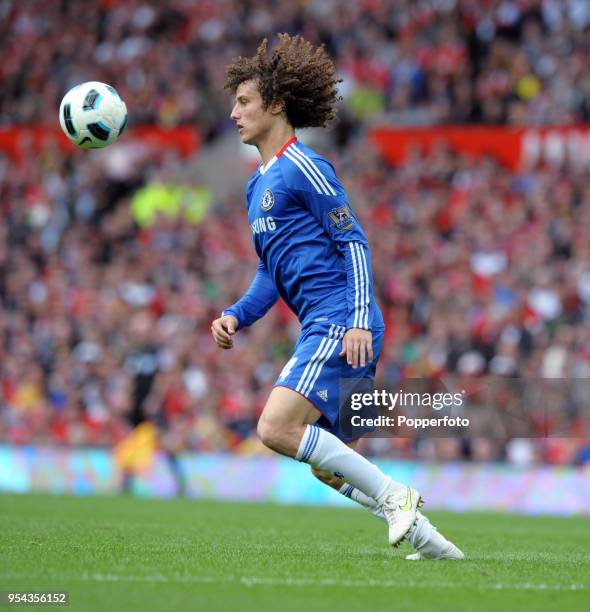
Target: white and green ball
[{"x": 93, "y": 115}]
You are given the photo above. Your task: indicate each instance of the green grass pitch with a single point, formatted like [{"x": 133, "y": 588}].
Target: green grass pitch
[{"x": 124, "y": 553}]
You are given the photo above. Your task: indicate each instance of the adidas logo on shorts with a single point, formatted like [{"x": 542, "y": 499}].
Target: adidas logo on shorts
[{"x": 323, "y": 394}]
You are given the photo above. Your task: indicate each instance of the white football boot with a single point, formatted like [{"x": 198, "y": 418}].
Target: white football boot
[
  {"x": 432, "y": 551},
  {"x": 400, "y": 512}
]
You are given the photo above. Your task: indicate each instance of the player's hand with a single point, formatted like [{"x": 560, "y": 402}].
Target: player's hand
[
  {"x": 223, "y": 329},
  {"x": 357, "y": 345}
]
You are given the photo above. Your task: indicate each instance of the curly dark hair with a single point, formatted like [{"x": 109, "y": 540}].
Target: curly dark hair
[{"x": 298, "y": 75}]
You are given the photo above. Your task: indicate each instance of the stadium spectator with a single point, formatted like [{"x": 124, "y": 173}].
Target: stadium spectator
[
  {"x": 460, "y": 61},
  {"x": 105, "y": 312},
  {"x": 116, "y": 316}
]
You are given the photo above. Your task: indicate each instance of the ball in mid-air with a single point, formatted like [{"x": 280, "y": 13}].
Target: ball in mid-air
[{"x": 93, "y": 115}]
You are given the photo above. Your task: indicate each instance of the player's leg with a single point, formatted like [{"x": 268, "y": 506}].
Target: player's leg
[
  {"x": 287, "y": 427},
  {"x": 340, "y": 485},
  {"x": 423, "y": 535}
]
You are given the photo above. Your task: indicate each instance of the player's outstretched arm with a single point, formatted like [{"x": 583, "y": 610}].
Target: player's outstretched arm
[
  {"x": 253, "y": 305},
  {"x": 223, "y": 329}
]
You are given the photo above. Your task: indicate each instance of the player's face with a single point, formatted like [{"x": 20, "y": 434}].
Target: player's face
[{"x": 252, "y": 120}]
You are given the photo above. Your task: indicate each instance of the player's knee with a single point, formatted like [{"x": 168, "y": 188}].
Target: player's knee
[
  {"x": 279, "y": 436},
  {"x": 270, "y": 435}
]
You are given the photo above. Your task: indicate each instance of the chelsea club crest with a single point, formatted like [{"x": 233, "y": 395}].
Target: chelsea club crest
[{"x": 268, "y": 200}]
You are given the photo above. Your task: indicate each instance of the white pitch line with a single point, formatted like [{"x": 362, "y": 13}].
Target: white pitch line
[{"x": 251, "y": 581}]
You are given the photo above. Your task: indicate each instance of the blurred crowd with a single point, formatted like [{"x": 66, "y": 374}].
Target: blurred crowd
[
  {"x": 479, "y": 270},
  {"x": 433, "y": 61}
]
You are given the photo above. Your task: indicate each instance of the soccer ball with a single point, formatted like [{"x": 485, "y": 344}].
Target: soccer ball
[{"x": 93, "y": 115}]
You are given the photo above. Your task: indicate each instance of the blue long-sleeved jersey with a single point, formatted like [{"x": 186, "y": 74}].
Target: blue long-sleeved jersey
[{"x": 312, "y": 250}]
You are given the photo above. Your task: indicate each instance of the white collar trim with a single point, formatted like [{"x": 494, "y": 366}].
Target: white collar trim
[{"x": 271, "y": 161}]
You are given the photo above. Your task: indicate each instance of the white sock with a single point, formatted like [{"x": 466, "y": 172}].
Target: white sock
[
  {"x": 326, "y": 452},
  {"x": 422, "y": 534},
  {"x": 360, "y": 498}
]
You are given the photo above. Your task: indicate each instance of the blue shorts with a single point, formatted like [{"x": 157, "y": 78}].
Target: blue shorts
[{"x": 316, "y": 371}]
